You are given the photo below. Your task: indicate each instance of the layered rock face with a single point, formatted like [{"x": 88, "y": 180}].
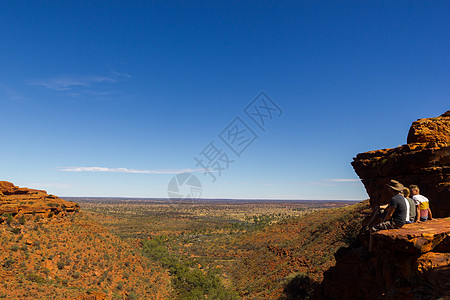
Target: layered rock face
[
  {"x": 431, "y": 131},
  {"x": 25, "y": 202},
  {"x": 424, "y": 161},
  {"x": 412, "y": 262}
]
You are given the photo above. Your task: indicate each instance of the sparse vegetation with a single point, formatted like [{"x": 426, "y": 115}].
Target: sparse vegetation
[
  {"x": 50, "y": 260},
  {"x": 249, "y": 246},
  {"x": 22, "y": 220},
  {"x": 16, "y": 230},
  {"x": 189, "y": 282},
  {"x": 8, "y": 262},
  {"x": 210, "y": 250}
]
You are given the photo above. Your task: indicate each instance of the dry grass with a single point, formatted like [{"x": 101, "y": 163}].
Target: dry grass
[
  {"x": 63, "y": 258},
  {"x": 253, "y": 246}
]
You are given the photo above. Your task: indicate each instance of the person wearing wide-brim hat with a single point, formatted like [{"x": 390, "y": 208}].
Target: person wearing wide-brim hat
[
  {"x": 396, "y": 186},
  {"x": 396, "y": 211}
]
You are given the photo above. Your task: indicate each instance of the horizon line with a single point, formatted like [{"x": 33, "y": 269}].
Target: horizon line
[{"x": 183, "y": 199}]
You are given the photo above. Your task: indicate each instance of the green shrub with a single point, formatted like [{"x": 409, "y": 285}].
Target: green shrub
[
  {"x": 9, "y": 218},
  {"x": 60, "y": 265},
  {"x": 35, "y": 278},
  {"x": 8, "y": 263},
  {"x": 132, "y": 296},
  {"x": 22, "y": 220},
  {"x": 351, "y": 230},
  {"x": 15, "y": 230},
  {"x": 189, "y": 282}
]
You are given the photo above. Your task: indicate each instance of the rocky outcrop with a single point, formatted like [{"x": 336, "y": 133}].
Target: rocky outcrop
[
  {"x": 424, "y": 161},
  {"x": 7, "y": 188},
  {"x": 412, "y": 262},
  {"x": 431, "y": 131},
  {"x": 17, "y": 202}
]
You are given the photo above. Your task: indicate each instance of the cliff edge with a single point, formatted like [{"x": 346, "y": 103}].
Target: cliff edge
[
  {"x": 17, "y": 202},
  {"x": 412, "y": 262},
  {"x": 51, "y": 250},
  {"x": 424, "y": 161}
]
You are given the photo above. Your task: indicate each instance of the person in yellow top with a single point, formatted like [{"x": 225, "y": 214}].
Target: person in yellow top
[{"x": 422, "y": 204}]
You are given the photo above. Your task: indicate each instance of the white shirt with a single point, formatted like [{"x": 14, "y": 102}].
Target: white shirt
[
  {"x": 407, "y": 209},
  {"x": 419, "y": 199}
]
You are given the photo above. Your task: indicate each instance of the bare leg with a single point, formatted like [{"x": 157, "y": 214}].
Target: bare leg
[{"x": 375, "y": 219}]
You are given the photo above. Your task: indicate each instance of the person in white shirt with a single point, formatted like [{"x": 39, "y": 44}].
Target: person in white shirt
[
  {"x": 422, "y": 204},
  {"x": 412, "y": 206}
]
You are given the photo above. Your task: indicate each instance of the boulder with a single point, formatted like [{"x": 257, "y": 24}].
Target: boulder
[
  {"x": 7, "y": 188},
  {"x": 432, "y": 130}
]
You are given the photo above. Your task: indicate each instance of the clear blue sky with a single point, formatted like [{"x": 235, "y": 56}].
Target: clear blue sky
[{"x": 112, "y": 98}]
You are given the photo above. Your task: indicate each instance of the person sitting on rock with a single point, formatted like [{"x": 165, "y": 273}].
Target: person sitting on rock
[
  {"x": 396, "y": 212},
  {"x": 422, "y": 203},
  {"x": 412, "y": 207},
  {"x": 378, "y": 214}
]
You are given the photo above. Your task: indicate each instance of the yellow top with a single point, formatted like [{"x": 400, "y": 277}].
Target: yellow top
[{"x": 423, "y": 203}]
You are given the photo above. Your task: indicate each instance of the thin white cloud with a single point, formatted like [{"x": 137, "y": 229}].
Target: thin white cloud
[
  {"x": 126, "y": 170},
  {"x": 65, "y": 83},
  {"x": 83, "y": 87},
  {"x": 330, "y": 182},
  {"x": 342, "y": 180},
  {"x": 43, "y": 185},
  {"x": 11, "y": 94},
  {"x": 322, "y": 182},
  {"x": 119, "y": 74}
]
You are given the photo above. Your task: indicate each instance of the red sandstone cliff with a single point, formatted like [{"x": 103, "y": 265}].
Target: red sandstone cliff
[
  {"x": 28, "y": 202},
  {"x": 49, "y": 251},
  {"x": 424, "y": 161},
  {"x": 412, "y": 262}
]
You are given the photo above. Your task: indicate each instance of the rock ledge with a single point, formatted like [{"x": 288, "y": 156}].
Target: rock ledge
[
  {"x": 424, "y": 161},
  {"x": 17, "y": 202},
  {"x": 412, "y": 262}
]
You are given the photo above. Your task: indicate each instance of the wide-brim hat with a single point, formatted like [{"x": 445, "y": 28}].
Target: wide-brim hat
[{"x": 395, "y": 185}]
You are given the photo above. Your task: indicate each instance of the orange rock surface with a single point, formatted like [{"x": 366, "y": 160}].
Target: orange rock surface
[
  {"x": 433, "y": 130},
  {"x": 424, "y": 161},
  {"x": 49, "y": 250},
  {"x": 412, "y": 262},
  {"x": 417, "y": 237},
  {"x": 29, "y": 202}
]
